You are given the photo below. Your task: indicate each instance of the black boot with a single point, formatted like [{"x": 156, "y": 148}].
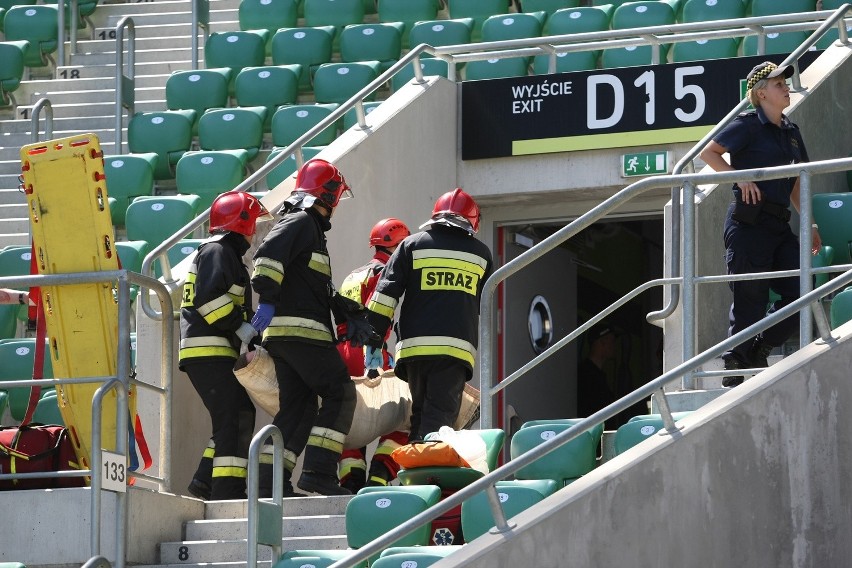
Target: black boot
[
  {"x": 379, "y": 475},
  {"x": 199, "y": 489},
  {"x": 321, "y": 483},
  {"x": 759, "y": 352},
  {"x": 354, "y": 480},
  {"x": 732, "y": 362}
]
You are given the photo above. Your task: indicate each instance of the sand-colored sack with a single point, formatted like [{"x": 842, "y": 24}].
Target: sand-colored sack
[{"x": 383, "y": 404}]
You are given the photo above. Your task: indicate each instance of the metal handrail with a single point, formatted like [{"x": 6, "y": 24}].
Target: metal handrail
[
  {"x": 652, "y": 388},
  {"x": 200, "y": 19},
  {"x": 42, "y": 103},
  {"x": 687, "y": 162},
  {"x": 60, "y": 30},
  {"x": 488, "y": 315},
  {"x": 125, "y": 85},
  {"x": 276, "y": 505}
]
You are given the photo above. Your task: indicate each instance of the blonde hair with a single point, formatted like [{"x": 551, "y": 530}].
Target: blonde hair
[{"x": 751, "y": 94}]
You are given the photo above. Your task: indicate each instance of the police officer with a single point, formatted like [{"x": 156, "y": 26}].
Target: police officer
[
  {"x": 440, "y": 271},
  {"x": 292, "y": 277},
  {"x": 214, "y": 315},
  {"x": 757, "y": 235},
  {"x": 385, "y": 236}
]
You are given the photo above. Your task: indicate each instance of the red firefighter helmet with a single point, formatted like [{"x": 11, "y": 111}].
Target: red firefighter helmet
[
  {"x": 459, "y": 205},
  {"x": 388, "y": 233},
  {"x": 237, "y": 211},
  {"x": 323, "y": 181}
]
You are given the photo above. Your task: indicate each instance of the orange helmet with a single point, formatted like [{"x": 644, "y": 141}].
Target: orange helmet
[
  {"x": 457, "y": 208},
  {"x": 388, "y": 233},
  {"x": 324, "y": 182},
  {"x": 237, "y": 211}
]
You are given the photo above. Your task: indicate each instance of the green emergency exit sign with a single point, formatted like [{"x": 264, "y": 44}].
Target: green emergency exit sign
[{"x": 644, "y": 164}]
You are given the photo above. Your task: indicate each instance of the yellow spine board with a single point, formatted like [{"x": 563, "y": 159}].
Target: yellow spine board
[{"x": 72, "y": 232}]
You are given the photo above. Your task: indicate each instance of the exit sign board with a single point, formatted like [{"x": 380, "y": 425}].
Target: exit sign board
[{"x": 644, "y": 164}]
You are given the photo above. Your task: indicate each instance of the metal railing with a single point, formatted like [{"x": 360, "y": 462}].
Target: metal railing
[
  {"x": 549, "y": 45},
  {"x": 125, "y": 83},
  {"x": 35, "y": 118},
  {"x": 652, "y": 388},
  {"x": 121, "y": 382},
  {"x": 61, "y": 59}
]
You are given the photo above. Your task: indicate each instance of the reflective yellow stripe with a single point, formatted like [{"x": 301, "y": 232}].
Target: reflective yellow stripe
[
  {"x": 188, "y": 296},
  {"x": 327, "y": 438},
  {"x": 385, "y": 448},
  {"x": 449, "y": 346},
  {"x": 237, "y": 290},
  {"x": 378, "y": 480},
  {"x": 270, "y": 268},
  {"x": 291, "y": 326},
  {"x": 206, "y": 346},
  {"x": 345, "y": 466},
  {"x": 382, "y": 304},
  {"x": 240, "y": 472},
  {"x": 320, "y": 262},
  {"x": 216, "y": 309},
  {"x": 438, "y": 258},
  {"x": 289, "y": 457}
]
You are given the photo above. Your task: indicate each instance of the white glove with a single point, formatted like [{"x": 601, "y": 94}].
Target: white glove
[{"x": 246, "y": 332}]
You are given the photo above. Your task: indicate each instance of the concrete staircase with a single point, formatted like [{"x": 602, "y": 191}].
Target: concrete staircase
[{"x": 221, "y": 536}]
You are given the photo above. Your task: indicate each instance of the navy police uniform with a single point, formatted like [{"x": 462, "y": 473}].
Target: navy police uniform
[
  {"x": 214, "y": 305},
  {"x": 292, "y": 271},
  {"x": 762, "y": 240},
  {"x": 441, "y": 272}
]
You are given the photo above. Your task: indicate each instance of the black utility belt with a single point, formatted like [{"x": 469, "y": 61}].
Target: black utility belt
[{"x": 749, "y": 213}]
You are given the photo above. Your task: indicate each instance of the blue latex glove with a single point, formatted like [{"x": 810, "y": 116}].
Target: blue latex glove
[
  {"x": 372, "y": 358},
  {"x": 262, "y": 317},
  {"x": 391, "y": 362}
]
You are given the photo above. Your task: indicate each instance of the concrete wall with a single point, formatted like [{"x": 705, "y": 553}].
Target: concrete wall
[{"x": 755, "y": 478}]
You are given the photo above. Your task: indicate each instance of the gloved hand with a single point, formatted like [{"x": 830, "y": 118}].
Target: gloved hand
[
  {"x": 391, "y": 362},
  {"x": 358, "y": 329},
  {"x": 262, "y": 317},
  {"x": 246, "y": 332},
  {"x": 372, "y": 358}
]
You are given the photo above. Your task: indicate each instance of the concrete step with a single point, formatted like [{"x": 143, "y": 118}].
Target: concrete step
[
  {"x": 309, "y": 525},
  {"x": 108, "y": 70},
  {"x": 8, "y": 154},
  {"x": 292, "y": 507},
  {"x": 181, "y": 52},
  {"x": 711, "y": 383},
  {"x": 14, "y": 239},
  {"x": 261, "y": 563},
  {"x": 14, "y": 225},
  {"x": 13, "y": 211},
  {"x": 10, "y": 196},
  {"x": 235, "y": 550},
  {"x": 62, "y": 97},
  {"x": 65, "y": 123},
  {"x": 93, "y": 109},
  {"x": 29, "y": 89},
  {"x": 153, "y": 18},
  {"x": 143, "y": 29},
  {"x": 160, "y": 6},
  {"x": 141, "y": 44}
]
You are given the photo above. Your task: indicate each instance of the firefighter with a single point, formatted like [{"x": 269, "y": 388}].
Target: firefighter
[
  {"x": 385, "y": 236},
  {"x": 440, "y": 270},
  {"x": 292, "y": 277},
  {"x": 214, "y": 322}
]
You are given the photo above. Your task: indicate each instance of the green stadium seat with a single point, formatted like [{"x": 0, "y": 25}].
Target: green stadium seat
[
  {"x": 596, "y": 431},
  {"x": 496, "y": 68},
  {"x": 608, "y": 3},
  {"x": 8, "y": 322},
  {"x": 288, "y": 167},
  {"x": 350, "y": 119},
  {"x": 680, "y": 415},
  {"x": 429, "y": 66},
  {"x": 14, "y": 261},
  {"x": 177, "y": 252},
  {"x": 563, "y": 465},
  {"x": 210, "y": 172},
  {"x": 198, "y": 90},
  {"x": 705, "y": 49},
  {"x": 271, "y": 87},
  {"x": 131, "y": 254},
  {"x": 708, "y": 10},
  {"x": 418, "y": 559},
  {"x": 85, "y": 8},
  {"x": 775, "y": 43},
  {"x": 236, "y": 50},
  {"x": 38, "y": 26},
  {"x": 408, "y": 12},
  {"x": 232, "y": 129},
  {"x": 635, "y": 431},
  {"x": 314, "y": 558},
  {"x": 338, "y": 82},
  {"x": 833, "y": 213},
  {"x": 548, "y": 6},
  {"x": 515, "y": 497},
  {"x": 438, "y": 33},
  {"x": 166, "y": 133},
  {"x": 376, "y": 510},
  {"x": 637, "y": 15},
  {"x": 308, "y": 47},
  {"x": 771, "y": 7},
  {"x": 270, "y": 15},
  {"x": 47, "y": 409},
  {"x": 372, "y": 42},
  {"x": 823, "y": 258},
  {"x": 479, "y": 10},
  {"x": 513, "y": 26},
  {"x": 574, "y": 21},
  {"x": 402, "y": 552},
  {"x": 451, "y": 478},
  {"x": 290, "y": 122},
  {"x": 12, "y": 55},
  {"x": 128, "y": 176},
  {"x": 18, "y": 356},
  {"x": 841, "y": 308},
  {"x": 337, "y": 13},
  {"x": 155, "y": 219}
]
